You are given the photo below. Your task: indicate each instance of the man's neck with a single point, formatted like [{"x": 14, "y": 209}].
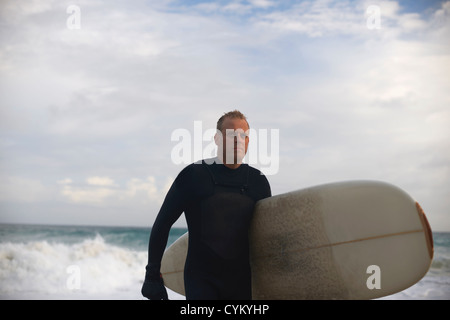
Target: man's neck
[
  {"x": 228, "y": 165},
  {"x": 232, "y": 166}
]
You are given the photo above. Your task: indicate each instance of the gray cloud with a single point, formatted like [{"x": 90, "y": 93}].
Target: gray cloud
[{"x": 102, "y": 101}]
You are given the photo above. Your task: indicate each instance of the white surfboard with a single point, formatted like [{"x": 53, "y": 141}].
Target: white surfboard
[{"x": 347, "y": 240}]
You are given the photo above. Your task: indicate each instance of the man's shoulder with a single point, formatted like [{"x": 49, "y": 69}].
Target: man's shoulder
[
  {"x": 256, "y": 172},
  {"x": 192, "y": 171},
  {"x": 259, "y": 181},
  {"x": 194, "y": 179},
  {"x": 257, "y": 176},
  {"x": 189, "y": 169}
]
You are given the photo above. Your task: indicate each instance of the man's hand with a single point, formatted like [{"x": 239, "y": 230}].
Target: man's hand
[{"x": 153, "y": 287}]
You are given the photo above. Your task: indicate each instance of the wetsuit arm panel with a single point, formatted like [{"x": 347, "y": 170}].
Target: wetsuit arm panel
[
  {"x": 171, "y": 209},
  {"x": 267, "y": 190},
  {"x": 262, "y": 186}
]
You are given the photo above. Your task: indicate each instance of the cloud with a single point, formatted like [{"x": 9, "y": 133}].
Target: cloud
[
  {"x": 83, "y": 195},
  {"x": 263, "y": 3},
  {"x": 101, "y": 181},
  {"x": 239, "y": 7},
  {"x": 331, "y": 18},
  {"x": 65, "y": 181},
  {"x": 104, "y": 191},
  {"x": 23, "y": 189},
  {"x": 94, "y": 109}
]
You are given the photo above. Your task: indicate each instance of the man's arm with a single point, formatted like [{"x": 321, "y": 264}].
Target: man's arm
[
  {"x": 267, "y": 190},
  {"x": 173, "y": 206}
]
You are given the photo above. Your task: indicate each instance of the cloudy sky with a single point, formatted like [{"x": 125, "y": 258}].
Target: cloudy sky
[{"x": 91, "y": 93}]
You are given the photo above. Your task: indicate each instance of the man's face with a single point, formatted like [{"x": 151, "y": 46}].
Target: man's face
[{"x": 234, "y": 140}]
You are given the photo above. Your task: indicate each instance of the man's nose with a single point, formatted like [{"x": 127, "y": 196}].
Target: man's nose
[{"x": 238, "y": 138}]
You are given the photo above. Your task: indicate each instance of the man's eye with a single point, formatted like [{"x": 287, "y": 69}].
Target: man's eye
[{"x": 241, "y": 135}]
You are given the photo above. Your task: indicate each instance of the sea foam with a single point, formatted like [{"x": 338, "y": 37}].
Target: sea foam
[
  {"x": 78, "y": 263},
  {"x": 39, "y": 269}
]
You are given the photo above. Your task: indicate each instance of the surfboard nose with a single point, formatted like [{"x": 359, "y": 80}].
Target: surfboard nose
[{"x": 427, "y": 230}]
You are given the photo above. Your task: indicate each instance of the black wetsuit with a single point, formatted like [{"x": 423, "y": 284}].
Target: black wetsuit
[{"x": 218, "y": 203}]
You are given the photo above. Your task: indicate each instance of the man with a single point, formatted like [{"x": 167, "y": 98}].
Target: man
[{"x": 217, "y": 196}]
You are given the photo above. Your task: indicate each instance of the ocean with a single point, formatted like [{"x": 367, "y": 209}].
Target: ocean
[{"x": 97, "y": 262}]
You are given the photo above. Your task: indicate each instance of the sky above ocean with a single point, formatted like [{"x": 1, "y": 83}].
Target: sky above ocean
[{"x": 93, "y": 96}]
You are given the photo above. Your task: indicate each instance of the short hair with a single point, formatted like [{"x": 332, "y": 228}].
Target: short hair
[{"x": 235, "y": 114}]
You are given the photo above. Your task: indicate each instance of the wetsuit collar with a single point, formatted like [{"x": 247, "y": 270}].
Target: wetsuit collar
[{"x": 219, "y": 162}]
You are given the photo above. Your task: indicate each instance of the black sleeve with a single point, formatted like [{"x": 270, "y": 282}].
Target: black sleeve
[
  {"x": 171, "y": 209},
  {"x": 267, "y": 189},
  {"x": 260, "y": 185}
]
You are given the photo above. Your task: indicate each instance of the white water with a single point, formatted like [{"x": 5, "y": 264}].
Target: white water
[{"x": 94, "y": 269}]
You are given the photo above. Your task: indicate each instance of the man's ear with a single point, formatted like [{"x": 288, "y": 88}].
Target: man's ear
[{"x": 218, "y": 138}]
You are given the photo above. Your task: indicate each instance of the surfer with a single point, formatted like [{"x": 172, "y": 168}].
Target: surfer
[{"x": 217, "y": 196}]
